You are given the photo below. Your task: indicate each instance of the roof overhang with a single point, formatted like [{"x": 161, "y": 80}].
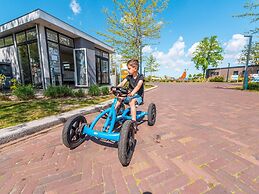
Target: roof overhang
[{"x": 40, "y": 17}]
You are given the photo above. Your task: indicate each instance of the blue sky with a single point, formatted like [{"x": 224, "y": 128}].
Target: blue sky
[{"x": 186, "y": 22}]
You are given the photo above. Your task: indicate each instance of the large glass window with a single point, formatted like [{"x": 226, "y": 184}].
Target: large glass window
[
  {"x": 35, "y": 63},
  {"x": 66, "y": 41},
  {"x": 25, "y": 64},
  {"x": 54, "y": 62},
  {"x": 8, "y": 40},
  {"x": 20, "y": 37},
  {"x": 31, "y": 34},
  {"x": 28, "y": 55},
  {"x": 51, "y": 35},
  {"x": 1, "y": 42},
  {"x": 102, "y": 70}
]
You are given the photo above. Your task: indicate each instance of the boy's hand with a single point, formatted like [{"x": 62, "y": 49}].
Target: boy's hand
[{"x": 130, "y": 94}]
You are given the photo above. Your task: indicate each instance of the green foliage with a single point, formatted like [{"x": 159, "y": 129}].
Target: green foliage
[
  {"x": 208, "y": 53},
  {"x": 2, "y": 80},
  {"x": 151, "y": 64},
  {"x": 79, "y": 93},
  {"x": 58, "y": 91},
  {"x": 94, "y": 90},
  {"x": 24, "y": 92},
  {"x": 105, "y": 90},
  {"x": 254, "y": 54},
  {"x": 14, "y": 84},
  {"x": 217, "y": 79},
  {"x": 132, "y": 24},
  {"x": 253, "y": 86}
]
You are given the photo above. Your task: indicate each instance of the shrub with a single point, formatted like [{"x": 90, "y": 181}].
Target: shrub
[
  {"x": 217, "y": 79},
  {"x": 79, "y": 93},
  {"x": 58, "y": 91},
  {"x": 14, "y": 84},
  {"x": 253, "y": 86},
  {"x": 24, "y": 92},
  {"x": 105, "y": 90},
  {"x": 94, "y": 90}
]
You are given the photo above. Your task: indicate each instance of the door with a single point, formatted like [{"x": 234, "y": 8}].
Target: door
[
  {"x": 80, "y": 61},
  {"x": 25, "y": 64}
]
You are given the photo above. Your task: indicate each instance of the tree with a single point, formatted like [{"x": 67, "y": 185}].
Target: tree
[
  {"x": 151, "y": 65},
  {"x": 208, "y": 53},
  {"x": 132, "y": 25},
  {"x": 252, "y": 13},
  {"x": 254, "y": 54}
]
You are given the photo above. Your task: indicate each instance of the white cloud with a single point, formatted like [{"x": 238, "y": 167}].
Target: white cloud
[
  {"x": 236, "y": 43},
  {"x": 174, "y": 56},
  {"x": 74, "y": 5},
  {"x": 192, "y": 49},
  {"x": 233, "y": 48},
  {"x": 147, "y": 49}
]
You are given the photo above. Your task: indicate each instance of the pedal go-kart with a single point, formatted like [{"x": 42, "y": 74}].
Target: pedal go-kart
[{"x": 118, "y": 127}]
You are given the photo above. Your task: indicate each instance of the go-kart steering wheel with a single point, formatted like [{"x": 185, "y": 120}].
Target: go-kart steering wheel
[{"x": 119, "y": 91}]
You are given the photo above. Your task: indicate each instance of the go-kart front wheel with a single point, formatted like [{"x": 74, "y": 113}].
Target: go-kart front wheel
[
  {"x": 72, "y": 132},
  {"x": 151, "y": 114},
  {"x": 126, "y": 143}
]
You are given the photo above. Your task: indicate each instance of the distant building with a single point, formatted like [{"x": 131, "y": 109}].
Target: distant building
[{"x": 227, "y": 72}]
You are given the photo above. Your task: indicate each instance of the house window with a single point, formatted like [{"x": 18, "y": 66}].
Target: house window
[
  {"x": 235, "y": 73},
  {"x": 1, "y": 42},
  {"x": 257, "y": 71},
  {"x": 66, "y": 40},
  {"x": 52, "y": 36},
  {"x": 8, "y": 41},
  {"x": 28, "y": 55},
  {"x": 20, "y": 37},
  {"x": 31, "y": 34}
]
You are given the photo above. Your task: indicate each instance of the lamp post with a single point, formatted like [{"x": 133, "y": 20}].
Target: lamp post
[
  {"x": 245, "y": 83},
  {"x": 228, "y": 71}
]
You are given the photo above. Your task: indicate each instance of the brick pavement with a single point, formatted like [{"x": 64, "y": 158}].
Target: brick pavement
[{"x": 205, "y": 141}]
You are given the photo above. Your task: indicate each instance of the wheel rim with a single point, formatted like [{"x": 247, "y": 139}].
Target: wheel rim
[
  {"x": 153, "y": 114},
  {"x": 130, "y": 143},
  {"x": 75, "y": 132}
]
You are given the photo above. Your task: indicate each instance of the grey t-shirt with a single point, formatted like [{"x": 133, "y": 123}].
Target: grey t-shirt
[{"x": 134, "y": 82}]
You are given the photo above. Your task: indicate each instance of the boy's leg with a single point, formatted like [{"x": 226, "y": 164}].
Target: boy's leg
[{"x": 132, "y": 104}]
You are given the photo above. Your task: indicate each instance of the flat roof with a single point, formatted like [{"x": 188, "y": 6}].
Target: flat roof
[
  {"x": 38, "y": 16},
  {"x": 239, "y": 66}
]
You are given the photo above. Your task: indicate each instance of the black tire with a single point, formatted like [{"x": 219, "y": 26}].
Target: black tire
[
  {"x": 126, "y": 143},
  {"x": 151, "y": 114},
  {"x": 72, "y": 132}
]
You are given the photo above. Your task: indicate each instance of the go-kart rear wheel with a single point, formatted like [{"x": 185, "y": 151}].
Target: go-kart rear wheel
[
  {"x": 126, "y": 143},
  {"x": 151, "y": 114},
  {"x": 72, "y": 132}
]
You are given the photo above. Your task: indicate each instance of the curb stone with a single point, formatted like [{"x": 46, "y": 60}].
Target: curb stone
[{"x": 28, "y": 128}]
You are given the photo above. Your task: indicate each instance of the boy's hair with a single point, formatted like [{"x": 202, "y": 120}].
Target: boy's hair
[{"x": 133, "y": 63}]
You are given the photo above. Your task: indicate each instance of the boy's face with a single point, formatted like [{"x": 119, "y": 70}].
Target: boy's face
[{"x": 132, "y": 69}]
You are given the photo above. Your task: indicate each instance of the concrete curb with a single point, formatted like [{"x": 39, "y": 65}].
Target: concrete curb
[{"x": 18, "y": 131}]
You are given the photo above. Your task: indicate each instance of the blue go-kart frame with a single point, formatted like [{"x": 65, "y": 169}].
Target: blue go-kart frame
[{"x": 76, "y": 128}]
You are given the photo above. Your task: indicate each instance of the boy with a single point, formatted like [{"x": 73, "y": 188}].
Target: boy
[{"x": 136, "y": 88}]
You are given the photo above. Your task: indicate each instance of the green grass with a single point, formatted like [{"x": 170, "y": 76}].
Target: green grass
[
  {"x": 14, "y": 113},
  {"x": 17, "y": 112}
]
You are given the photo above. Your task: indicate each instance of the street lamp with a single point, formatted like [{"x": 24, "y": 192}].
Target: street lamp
[{"x": 245, "y": 83}]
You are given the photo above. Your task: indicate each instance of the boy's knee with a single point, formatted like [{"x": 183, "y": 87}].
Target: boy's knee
[{"x": 132, "y": 102}]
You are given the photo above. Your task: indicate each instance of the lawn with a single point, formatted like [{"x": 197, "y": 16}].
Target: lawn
[{"x": 17, "y": 112}]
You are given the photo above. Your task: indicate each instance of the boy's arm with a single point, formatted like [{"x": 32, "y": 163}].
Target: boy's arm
[
  {"x": 122, "y": 83},
  {"x": 136, "y": 89}
]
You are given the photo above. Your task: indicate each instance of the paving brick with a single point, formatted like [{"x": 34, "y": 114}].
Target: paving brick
[{"x": 190, "y": 148}]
